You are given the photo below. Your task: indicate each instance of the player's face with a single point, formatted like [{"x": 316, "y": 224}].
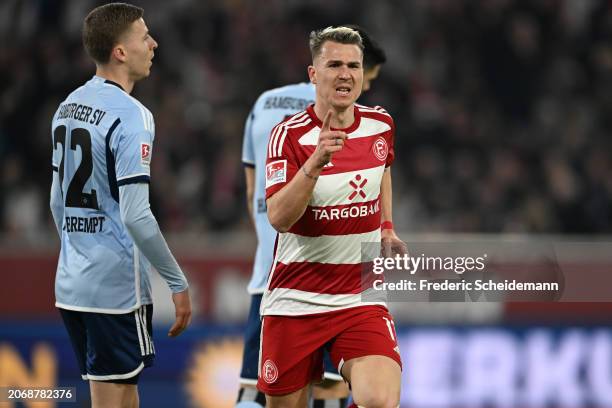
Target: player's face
[
  {"x": 139, "y": 49},
  {"x": 368, "y": 76},
  {"x": 337, "y": 73}
]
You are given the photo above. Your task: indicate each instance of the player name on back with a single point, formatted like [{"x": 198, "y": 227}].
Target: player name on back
[
  {"x": 90, "y": 225},
  {"x": 81, "y": 112}
]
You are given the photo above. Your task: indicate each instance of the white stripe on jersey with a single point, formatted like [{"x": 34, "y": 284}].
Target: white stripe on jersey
[
  {"x": 278, "y": 130},
  {"x": 137, "y": 274},
  {"x": 285, "y": 131},
  {"x": 293, "y": 302},
  {"x": 139, "y": 331},
  {"x": 369, "y": 127},
  {"x": 331, "y": 249},
  {"x": 377, "y": 109},
  {"x": 282, "y": 133},
  {"x": 147, "y": 117},
  {"x": 132, "y": 175},
  {"x": 335, "y": 189}
]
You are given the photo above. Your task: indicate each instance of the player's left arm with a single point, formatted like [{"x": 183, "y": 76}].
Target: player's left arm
[
  {"x": 388, "y": 236},
  {"x": 391, "y": 242}
]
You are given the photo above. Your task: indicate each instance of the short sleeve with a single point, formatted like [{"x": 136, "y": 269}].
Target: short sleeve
[
  {"x": 248, "y": 152},
  {"x": 281, "y": 162},
  {"x": 133, "y": 157},
  {"x": 390, "y": 142}
]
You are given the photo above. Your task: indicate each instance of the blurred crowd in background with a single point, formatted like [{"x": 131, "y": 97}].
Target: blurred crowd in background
[{"x": 503, "y": 108}]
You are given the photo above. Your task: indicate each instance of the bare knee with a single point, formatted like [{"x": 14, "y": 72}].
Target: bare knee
[
  {"x": 330, "y": 389},
  {"x": 297, "y": 399},
  {"x": 104, "y": 394},
  {"x": 377, "y": 399}
]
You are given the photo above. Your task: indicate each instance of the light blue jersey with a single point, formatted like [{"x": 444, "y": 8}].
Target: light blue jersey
[
  {"x": 102, "y": 139},
  {"x": 271, "y": 107}
]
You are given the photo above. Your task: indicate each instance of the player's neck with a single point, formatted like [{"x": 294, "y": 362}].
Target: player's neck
[
  {"x": 340, "y": 119},
  {"x": 114, "y": 75}
]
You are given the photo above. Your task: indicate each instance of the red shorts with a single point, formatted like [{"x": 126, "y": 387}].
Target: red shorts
[{"x": 291, "y": 355}]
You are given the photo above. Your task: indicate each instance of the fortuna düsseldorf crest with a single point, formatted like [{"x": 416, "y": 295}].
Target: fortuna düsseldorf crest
[{"x": 380, "y": 149}]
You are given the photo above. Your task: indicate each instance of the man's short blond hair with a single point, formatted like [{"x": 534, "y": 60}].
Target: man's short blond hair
[{"x": 342, "y": 35}]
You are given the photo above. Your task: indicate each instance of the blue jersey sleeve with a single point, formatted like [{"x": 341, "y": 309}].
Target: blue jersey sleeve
[
  {"x": 248, "y": 151},
  {"x": 133, "y": 157},
  {"x": 57, "y": 141}
]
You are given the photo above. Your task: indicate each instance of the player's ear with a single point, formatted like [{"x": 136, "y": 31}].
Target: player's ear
[
  {"x": 119, "y": 52},
  {"x": 312, "y": 74}
]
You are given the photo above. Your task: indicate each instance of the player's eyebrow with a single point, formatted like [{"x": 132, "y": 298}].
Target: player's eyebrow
[{"x": 352, "y": 64}]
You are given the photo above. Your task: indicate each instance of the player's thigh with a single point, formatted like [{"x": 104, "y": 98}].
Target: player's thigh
[
  {"x": 333, "y": 385},
  {"x": 107, "y": 394},
  {"x": 375, "y": 381},
  {"x": 296, "y": 399},
  {"x": 330, "y": 389}
]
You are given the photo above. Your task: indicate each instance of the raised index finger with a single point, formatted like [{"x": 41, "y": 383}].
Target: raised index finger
[{"x": 326, "y": 121}]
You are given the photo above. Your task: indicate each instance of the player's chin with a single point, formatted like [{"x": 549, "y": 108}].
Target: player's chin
[{"x": 343, "y": 103}]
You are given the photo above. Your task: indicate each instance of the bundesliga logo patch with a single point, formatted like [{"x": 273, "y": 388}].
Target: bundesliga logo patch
[
  {"x": 380, "y": 149},
  {"x": 276, "y": 172},
  {"x": 145, "y": 154}
]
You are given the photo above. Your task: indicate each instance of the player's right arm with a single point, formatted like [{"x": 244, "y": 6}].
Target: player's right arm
[{"x": 287, "y": 205}]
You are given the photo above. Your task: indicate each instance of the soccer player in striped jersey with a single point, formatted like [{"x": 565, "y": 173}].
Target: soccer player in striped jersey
[
  {"x": 102, "y": 148},
  {"x": 272, "y": 107},
  {"x": 328, "y": 190}
]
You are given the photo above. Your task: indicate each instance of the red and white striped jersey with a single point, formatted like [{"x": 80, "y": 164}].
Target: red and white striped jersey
[{"x": 317, "y": 263}]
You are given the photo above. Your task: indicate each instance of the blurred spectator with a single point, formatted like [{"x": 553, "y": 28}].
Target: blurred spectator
[{"x": 503, "y": 107}]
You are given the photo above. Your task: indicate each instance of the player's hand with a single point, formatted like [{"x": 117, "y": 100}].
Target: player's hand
[
  {"x": 182, "y": 307},
  {"x": 392, "y": 244},
  {"x": 330, "y": 142}
]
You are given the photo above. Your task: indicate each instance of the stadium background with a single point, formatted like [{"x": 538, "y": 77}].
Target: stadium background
[{"x": 503, "y": 119}]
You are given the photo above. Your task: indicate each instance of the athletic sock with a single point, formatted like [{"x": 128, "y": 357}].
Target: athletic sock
[
  {"x": 250, "y": 398},
  {"x": 329, "y": 403}
]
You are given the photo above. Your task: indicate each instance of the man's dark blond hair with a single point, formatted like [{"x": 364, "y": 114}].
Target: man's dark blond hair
[
  {"x": 103, "y": 27},
  {"x": 342, "y": 35}
]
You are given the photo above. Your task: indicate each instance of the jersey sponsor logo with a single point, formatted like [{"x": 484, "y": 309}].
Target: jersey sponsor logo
[
  {"x": 145, "y": 154},
  {"x": 380, "y": 149},
  {"x": 356, "y": 211},
  {"x": 269, "y": 371},
  {"x": 276, "y": 172},
  {"x": 357, "y": 186}
]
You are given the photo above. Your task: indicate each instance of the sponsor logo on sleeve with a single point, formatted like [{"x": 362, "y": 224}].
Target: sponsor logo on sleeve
[
  {"x": 276, "y": 172},
  {"x": 145, "y": 154}
]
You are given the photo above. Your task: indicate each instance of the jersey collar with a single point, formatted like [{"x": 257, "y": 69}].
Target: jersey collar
[{"x": 352, "y": 128}]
